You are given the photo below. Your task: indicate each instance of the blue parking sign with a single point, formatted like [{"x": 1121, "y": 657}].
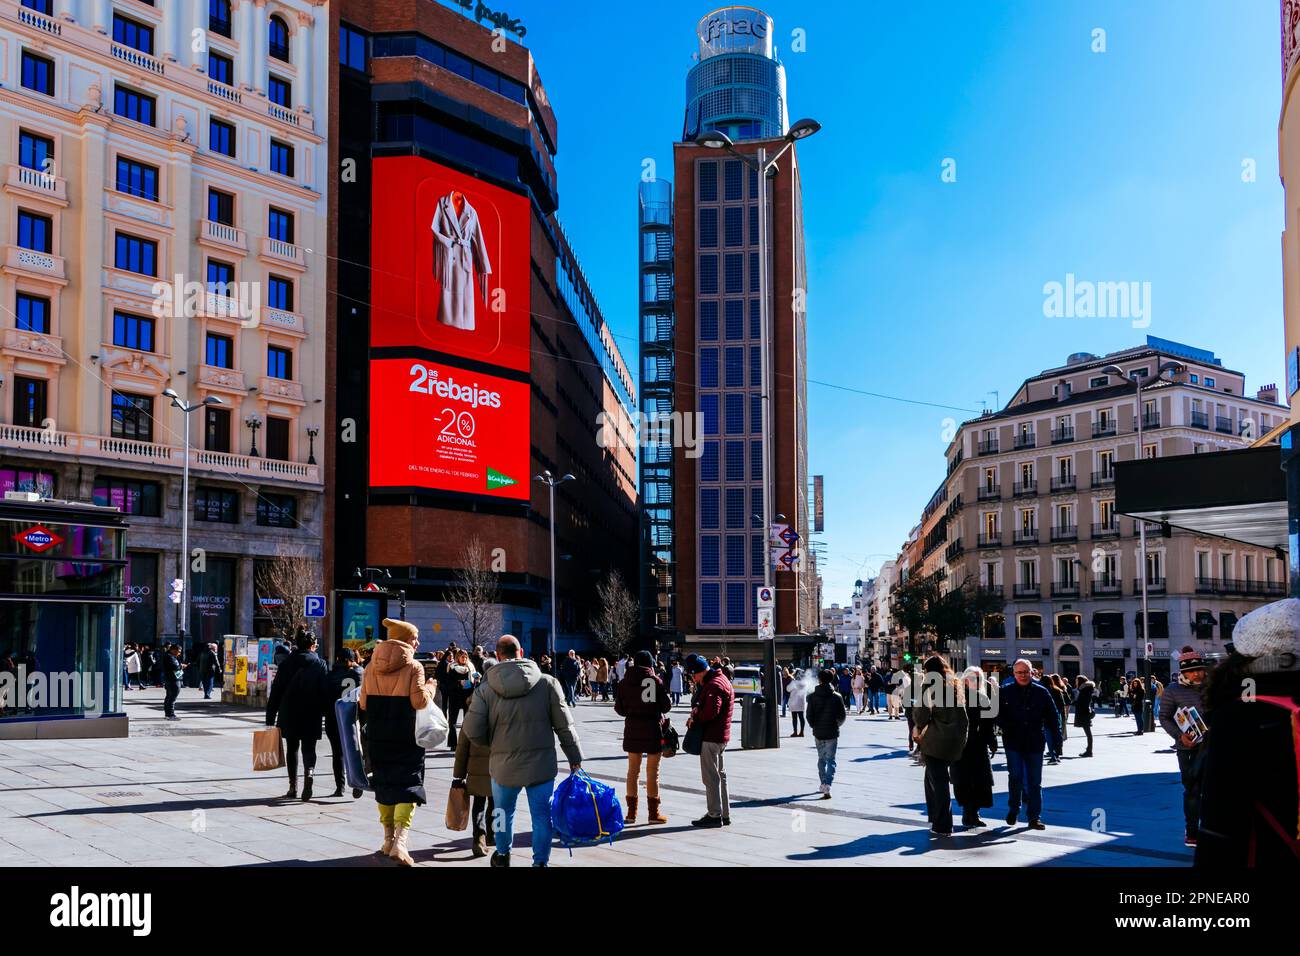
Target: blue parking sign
[{"x": 313, "y": 605}]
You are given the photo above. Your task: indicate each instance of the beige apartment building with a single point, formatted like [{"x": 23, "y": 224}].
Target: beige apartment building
[
  {"x": 1030, "y": 514},
  {"x": 162, "y": 226}
]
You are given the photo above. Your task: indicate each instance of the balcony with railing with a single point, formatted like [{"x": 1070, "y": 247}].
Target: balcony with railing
[
  {"x": 989, "y": 539},
  {"x": 1062, "y": 435},
  {"x": 43, "y": 265},
  {"x": 989, "y": 493},
  {"x": 1101, "y": 479},
  {"x": 1065, "y": 589},
  {"x": 1108, "y": 529},
  {"x": 151, "y": 454},
  {"x": 133, "y": 57},
  {"x": 953, "y": 550},
  {"x": 1149, "y": 420},
  {"x": 1024, "y": 489},
  {"x": 1154, "y": 586},
  {"x": 987, "y": 446},
  {"x": 1222, "y": 424},
  {"x": 1103, "y": 429},
  {"x": 1063, "y": 483},
  {"x": 1026, "y": 536},
  {"x": 281, "y": 253},
  {"x": 223, "y": 235},
  {"x": 39, "y": 21},
  {"x": 1027, "y": 591},
  {"x": 1106, "y": 588},
  {"x": 36, "y": 182},
  {"x": 992, "y": 590},
  {"x": 1024, "y": 440},
  {"x": 1200, "y": 420},
  {"x": 1065, "y": 532}
]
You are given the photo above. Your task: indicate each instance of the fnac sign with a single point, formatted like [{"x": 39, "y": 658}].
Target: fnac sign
[{"x": 39, "y": 538}]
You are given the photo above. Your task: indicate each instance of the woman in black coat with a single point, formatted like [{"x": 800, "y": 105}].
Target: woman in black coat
[
  {"x": 296, "y": 705},
  {"x": 1083, "y": 708},
  {"x": 973, "y": 773},
  {"x": 641, "y": 699}
]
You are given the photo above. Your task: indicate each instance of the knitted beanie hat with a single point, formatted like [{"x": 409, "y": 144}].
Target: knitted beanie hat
[
  {"x": 1271, "y": 634},
  {"x": 401, "y": 631}
]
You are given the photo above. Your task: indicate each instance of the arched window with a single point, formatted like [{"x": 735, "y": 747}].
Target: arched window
[
  {"x": 1069, "y": 624},
  {"x": 278, "y": 36},
  {"x": 219, "y": 17},
  {"x": 1068, "y": 650}
]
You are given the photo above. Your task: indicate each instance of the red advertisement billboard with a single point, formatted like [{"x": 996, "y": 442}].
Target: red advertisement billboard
[
  {"x": 450, "y": 261},
  {"x": 434, "y": 425}
]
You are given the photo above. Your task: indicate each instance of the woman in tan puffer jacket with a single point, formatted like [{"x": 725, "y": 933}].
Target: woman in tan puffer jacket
[{"x": 393, "y": 688}]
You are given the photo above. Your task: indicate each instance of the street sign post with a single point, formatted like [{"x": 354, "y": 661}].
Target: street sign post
[{"x": 313, "y": 605}]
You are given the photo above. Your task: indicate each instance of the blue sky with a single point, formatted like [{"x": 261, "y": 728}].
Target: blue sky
[{"x": 1125, "y": 165}]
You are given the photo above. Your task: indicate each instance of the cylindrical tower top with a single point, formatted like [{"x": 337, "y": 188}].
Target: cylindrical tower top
[
  {"x": 735, "y": 30},
  {"x": 738, "y": 85}
]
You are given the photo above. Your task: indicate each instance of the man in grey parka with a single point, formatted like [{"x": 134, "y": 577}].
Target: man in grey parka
[{"x": 517, "y": 712}]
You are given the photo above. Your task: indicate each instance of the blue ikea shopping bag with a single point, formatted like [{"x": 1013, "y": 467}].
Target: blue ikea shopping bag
[{"x": 585, "y": 812}]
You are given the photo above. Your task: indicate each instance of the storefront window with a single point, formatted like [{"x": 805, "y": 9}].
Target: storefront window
[
  {"x": 141, "y": 598},
  {"x": 212, "y": 603}
]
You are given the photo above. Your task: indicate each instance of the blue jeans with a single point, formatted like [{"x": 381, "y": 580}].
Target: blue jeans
[
  {"x": 539, "y": 807},
  {"x": 826, "y": 760},
  {"x": 1026, "y": 772},
  {"x": 1137, "y": 713},
  {"x": 207, "y": 687}
]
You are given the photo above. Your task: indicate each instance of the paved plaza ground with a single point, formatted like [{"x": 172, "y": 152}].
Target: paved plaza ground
[{"x": 183, "y": 794}]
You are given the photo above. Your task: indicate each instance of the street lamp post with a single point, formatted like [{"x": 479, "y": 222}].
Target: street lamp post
[
  {"x": 550, "y": 481},
  {"x": 183, "y": 612},
  {"x": 311, "y": 445},
  {"x": 253, "y": 423},
  {"x": 764, "y": 166},
  {"x": 1148, "y": 706}
]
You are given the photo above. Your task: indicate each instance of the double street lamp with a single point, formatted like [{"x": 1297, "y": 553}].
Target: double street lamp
[
  {"x": 183, "y": 612},
  {"x": 1140, "y": 382},
  {"x": 765, "y": 166},
  {"x": 550, "y": 481}
]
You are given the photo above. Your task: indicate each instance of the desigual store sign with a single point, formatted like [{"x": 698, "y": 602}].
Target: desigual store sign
[{"x": 450, "y": 332}]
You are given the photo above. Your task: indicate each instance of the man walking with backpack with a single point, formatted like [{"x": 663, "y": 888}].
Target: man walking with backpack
[
  {"x": 517, "y": 712},
  {"x": 825, "y": 713}
]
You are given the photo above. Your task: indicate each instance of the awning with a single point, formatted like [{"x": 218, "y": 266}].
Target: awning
[{"x": 1238, "y": 494}]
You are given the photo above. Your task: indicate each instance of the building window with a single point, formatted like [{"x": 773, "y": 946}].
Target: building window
[
  {"x": 755, "y": 320},
  {"x": 281, "y": 158},
  {"x": 35, "y": 152},
  {"x": 133, "y": 254},
  {"x": 734, "y": 181},
  {"x": 277, "y": 438},
  {"x": 221, "y": 137},
  {"x": 753, "y": 225},
  {"x": 1195, "y": 379},
  {"x": 137, "y": 36},
  {"x": 708, "y": 275},
  {"x": 131, "y": 105},
  {"x": 41, "y": 482},
  {"x": 221, "y": 68},
  {"x": 216, "y": 505},
  {"x": 279, "y": 293},
  {"x": 1209, "y": 382},
  {"x": 35, "y": 232},
  {"x": 277, "y": 511},
  {"x": 137, "y": 179},
  {"x": 30, "y": 401},
  {"x": 216, "y": 429},
  {"x": 40, "y": 6},
  {"x": 708, "y": 187},
  {"x": 279, "y": 92},
  {"x": 708, "y": 228},
  {"x": 221, "y": 278},
  {"x": 1101, "y": 381},
  {"x": 278, "y": 37},
  {"x": 709, "y": 414},
  {"x": 38, "y": 73},
  {"x": 734, "y": 373},
  {"x": 710, "y": 610},
  {"x": 735, "y": 461},
  {"x": 130, "y": 496},
  {"x": 709, "y": 462},
  {"x": 710, "y": 499},
  {"x": 708, "y": 321},
  {"x": 219, "y": 17},
  {"x": 220, "y": 351},
  {"x": 352, "y": 48},
  {"x": 708, "y": 368},
  {"x": 735, "y": 310},
  {"x": 753, "y": 272},
  {"x": 756, "y": 461},
  {"x": 132, "y": 416},
  {"x": 133, "y": 331},
  {"x": 710, "y": 564},
  {"x": 221, "y": 207},
  {"x": 279, "y": 225},
  {"x": 735, "y": 414},
  {"x": 736, "y": 508},
  {"x": 737, "y": 602},
  {"x": 734, "y": 281},
  {"x": 756, "y": 414},
  {"x": 32, "y": 313},
  {"x": 734, "y": 232},
  {"x": 279, "y": 362}
]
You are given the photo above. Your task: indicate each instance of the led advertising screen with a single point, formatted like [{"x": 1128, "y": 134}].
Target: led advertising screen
[
  {"x": 434, "y": 425},
  {"x": 450, "y": 256}
]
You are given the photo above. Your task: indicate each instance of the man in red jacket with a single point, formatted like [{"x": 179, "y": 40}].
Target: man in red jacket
[{"x": 712, "y": 714}]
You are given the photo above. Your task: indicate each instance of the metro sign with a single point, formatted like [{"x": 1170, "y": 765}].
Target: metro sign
[{"x": 38, "y": 538}]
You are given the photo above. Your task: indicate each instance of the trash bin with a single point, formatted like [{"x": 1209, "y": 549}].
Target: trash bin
[{"x": 753, "y": 722}]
